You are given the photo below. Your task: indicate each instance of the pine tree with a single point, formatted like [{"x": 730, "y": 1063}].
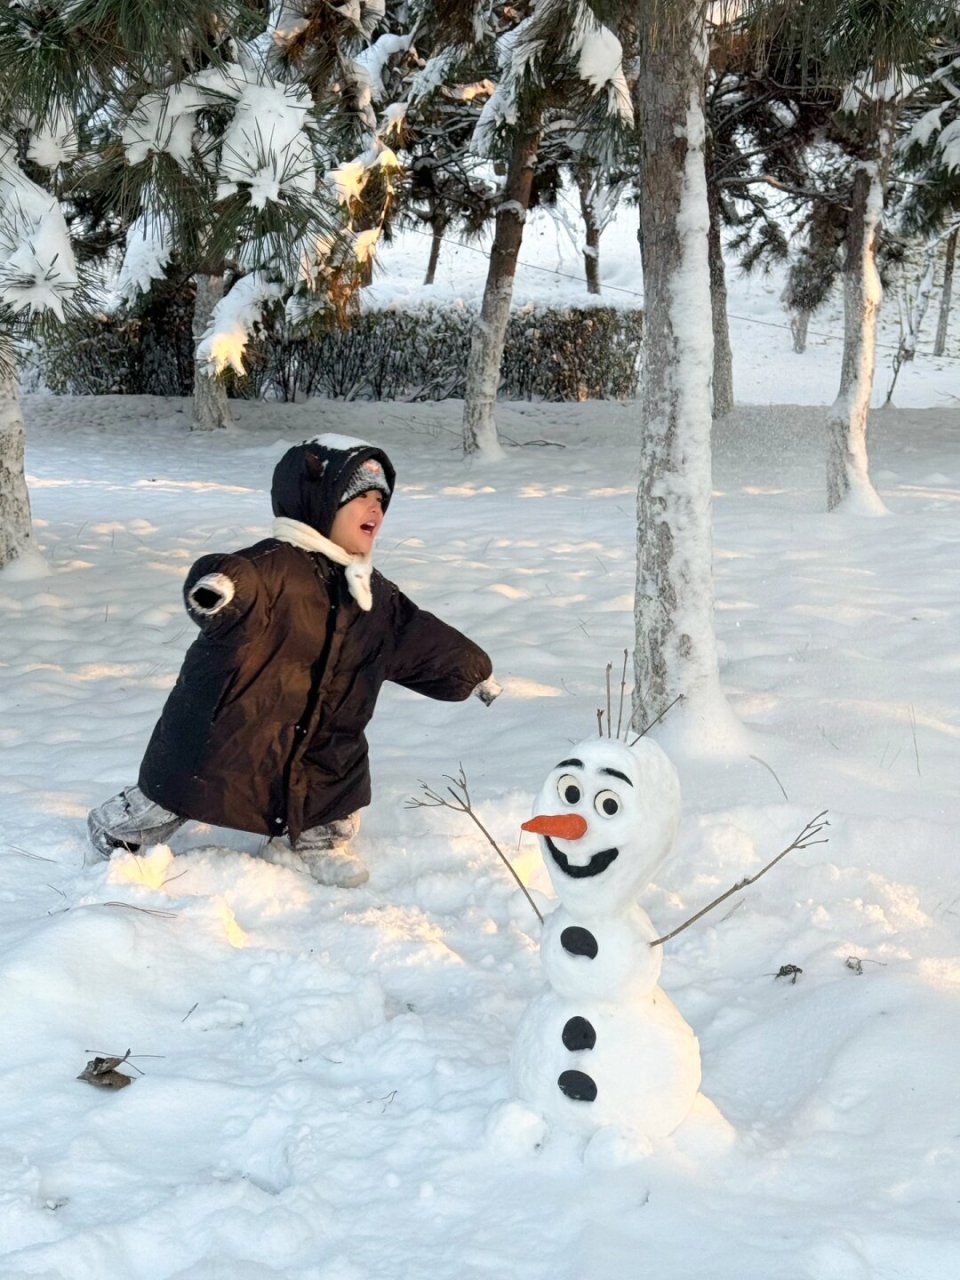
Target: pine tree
[
  {"x": 863, "y": 58},
  {"x": 930, "y": 151},
  {"x": 214, "y": 128},
  {"x": 228, "y": 161},
  {"x": 551, "y": 55},
  {"x": 675, "y": 649},
  {"x": 873, "y": 53},
  {"x": 61, "y": 69},
  {"x": 446, "y": 187},
  {"x": 762, "y": 115}
]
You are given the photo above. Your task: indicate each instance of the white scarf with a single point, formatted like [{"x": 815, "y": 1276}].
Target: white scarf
[{"x": 357, "y": 568}]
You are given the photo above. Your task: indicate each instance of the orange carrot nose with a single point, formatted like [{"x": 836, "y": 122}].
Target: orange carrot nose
[{"x": 568, "y": 826}]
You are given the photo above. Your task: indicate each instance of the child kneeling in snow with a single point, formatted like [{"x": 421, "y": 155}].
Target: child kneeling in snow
[{"x": 264, "y": 729}]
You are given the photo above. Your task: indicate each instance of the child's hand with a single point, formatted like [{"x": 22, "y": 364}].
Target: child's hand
[{"x": 487, "y": 690}]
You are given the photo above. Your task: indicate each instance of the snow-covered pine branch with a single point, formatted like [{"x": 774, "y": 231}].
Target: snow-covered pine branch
[
  {"x": 38, "y": 271},
  {"x": 234, "y": 319}
]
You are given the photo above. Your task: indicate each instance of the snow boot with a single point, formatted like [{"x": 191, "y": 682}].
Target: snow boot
[
  {"x": 326, "y": 854},
  {"x": 341, "y": 866},
  {"x": 129, "y": 821}
]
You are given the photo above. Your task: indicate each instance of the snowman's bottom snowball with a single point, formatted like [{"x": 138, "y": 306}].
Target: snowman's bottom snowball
[
  {"x": 704, "y": 1136},
  {"x": 513, "y": 1129},
  {"x": 645, "y": 1064}
]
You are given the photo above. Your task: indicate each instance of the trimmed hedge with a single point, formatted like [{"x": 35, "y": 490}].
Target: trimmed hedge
[
  {"x": 574, "y": 353},
  {"x": 588, "y": 353},
  {"x": 92, "y": 356}
]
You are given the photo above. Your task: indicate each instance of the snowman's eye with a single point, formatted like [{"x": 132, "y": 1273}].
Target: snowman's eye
[
  {"x": 569, "y": 789},
  {"x": 607, "y": 803}
]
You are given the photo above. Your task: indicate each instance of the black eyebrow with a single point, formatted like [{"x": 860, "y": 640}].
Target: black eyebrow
[
  {"x": 615, "y": 773},
  {"x": 577, "y": 764}
]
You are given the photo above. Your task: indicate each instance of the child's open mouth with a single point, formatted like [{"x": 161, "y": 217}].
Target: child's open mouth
[{"x": 369, "y": 526}]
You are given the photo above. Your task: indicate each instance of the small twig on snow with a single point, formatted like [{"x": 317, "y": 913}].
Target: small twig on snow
[
  {"x": 460, "y": 802},
  {"x": 148, "y": 911},
  {"x": 57, "y": 911},
  {"x": 111, "y": 1061},
  {"x": 102, "y": 1071},
  {"x": 856, "y": 963},
  {"x": 916, "y": 749},
  {"x": 34, "y": 857},
  {"x": 773, "y": 776},
  {"x": 802, "y": 841}
]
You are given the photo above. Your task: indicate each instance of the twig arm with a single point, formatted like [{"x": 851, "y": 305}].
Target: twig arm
[
  {"x": 506, "y": 862},
  {"x": 802, "y": 841},
  {"x": 460, "y": 802}
]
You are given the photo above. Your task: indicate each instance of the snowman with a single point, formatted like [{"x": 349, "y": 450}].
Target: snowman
[{"x": 602, "y": 1048}]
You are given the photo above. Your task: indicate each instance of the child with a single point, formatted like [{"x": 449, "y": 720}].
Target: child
[{"x": 263, "y": 730}]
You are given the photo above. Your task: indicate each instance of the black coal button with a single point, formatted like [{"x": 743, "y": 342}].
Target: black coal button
[
  {"x": 579, "y": 941},
  {"x": 577, "y": 1085},
  {"x": 579, "y": 1034}
]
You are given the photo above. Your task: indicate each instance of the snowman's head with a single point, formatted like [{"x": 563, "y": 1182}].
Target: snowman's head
[{"x": 606, "y": 817}]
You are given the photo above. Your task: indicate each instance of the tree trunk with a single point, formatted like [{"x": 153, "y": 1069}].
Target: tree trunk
[
  {"x": 799, "y": 323},
  {"x": 913, "y": 312},
  {"x": 675, "y": 650},
  {"x": 14, "y": 499},
  {"x": 211, "y": 408},
  {"x": 848, "y": 477},
  {"x": 437, "y": 229},
  {"x": 591, "y": 227},
  {"x": 166, "y": 344},
  {"x": 940, "y": 342},
  {"x": 722, "y": 354},
  {"x": 490, "y": 329}
]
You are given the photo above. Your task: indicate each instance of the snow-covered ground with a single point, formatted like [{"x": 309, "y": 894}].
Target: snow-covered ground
[{"x": 320, "y": 1067}]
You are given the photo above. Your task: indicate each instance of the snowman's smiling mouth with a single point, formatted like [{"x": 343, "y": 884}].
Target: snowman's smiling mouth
[{"x": 597, "y": 864}]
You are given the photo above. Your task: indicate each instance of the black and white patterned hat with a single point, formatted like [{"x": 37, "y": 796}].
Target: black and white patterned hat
[{"x": 368, "y": 474}]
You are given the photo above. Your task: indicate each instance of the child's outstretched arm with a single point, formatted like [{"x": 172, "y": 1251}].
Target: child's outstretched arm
[{"x": 433, "y": 658}]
